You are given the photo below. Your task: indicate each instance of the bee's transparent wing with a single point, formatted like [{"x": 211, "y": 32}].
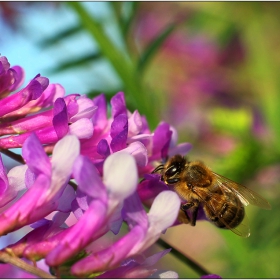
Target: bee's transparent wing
[
  {"x": 242, "y": 229},
  {"x": 245, "y": 195}
]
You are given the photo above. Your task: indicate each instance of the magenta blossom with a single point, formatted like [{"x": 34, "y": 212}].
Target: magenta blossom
[
  {"x": 139, "y": 267},
  {"x": 211, "y": 276},
  {"x": 40, "y": 108},
  {"x": 10, "y": 78},
  {"x": 47, "y": 183},
  {"x": 84, "y": 165},
  {"x": 10, "y": 184},
  {"x": 144, "y": 231}
]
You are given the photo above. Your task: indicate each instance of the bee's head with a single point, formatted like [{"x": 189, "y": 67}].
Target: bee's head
[{"x": 173, "y": 169}]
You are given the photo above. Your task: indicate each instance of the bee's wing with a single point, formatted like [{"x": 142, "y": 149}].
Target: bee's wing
[
  {"x": 242, "y": 229},
  {"x": 245, "y": 195}
]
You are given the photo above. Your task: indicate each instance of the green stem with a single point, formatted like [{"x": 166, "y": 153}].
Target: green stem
[
  {"x": 200, "y": 270},
  {"x": 122, "y": 64}
]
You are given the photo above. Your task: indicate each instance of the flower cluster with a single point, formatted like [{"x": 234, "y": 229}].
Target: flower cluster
[{"x": 91, "y": 178}]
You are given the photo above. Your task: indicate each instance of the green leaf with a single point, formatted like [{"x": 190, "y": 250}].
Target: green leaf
[
  {"x": 127, "y": 21},
  {"x": 117, "y": 8},
  {"x": 154, "y": 46},
  {"x": 263, "y": 67},
  {"x": 73, "y": 63},
  {"x": 121, "y": 62},
  {"x": 59, "y": 36}
]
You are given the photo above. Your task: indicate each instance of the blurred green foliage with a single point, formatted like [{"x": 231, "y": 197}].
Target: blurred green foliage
[{"x": 254, "y": 85}]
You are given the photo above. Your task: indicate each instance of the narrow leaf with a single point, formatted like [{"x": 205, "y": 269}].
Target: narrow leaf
[
  {"x": 127, "y": 21},
  {"x": 154, "y": 46},
  {"x": 73, "y": 63},
  {"x": 60, "y": 36}
]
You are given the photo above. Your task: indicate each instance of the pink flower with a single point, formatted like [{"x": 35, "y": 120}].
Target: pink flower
[
  {"x": 47, "y": 182},
  {"x": 144, "y": 231},
  {"x": 105, "y": 156},
  {"x": 53, "y": 115}
]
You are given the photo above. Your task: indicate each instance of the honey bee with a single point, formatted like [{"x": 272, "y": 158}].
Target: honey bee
[{"x": 222, "y": 200}]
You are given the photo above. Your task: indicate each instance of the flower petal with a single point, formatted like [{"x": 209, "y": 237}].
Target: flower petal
[
  {"x": 35, "y": 156},
  {"x": 22, "y": 213},
  {"x": 119, "y": 131},
  {"x": 134, "y": 213},
  {"x": 120, "y": 175},
  {"x": 103, "y": 148},
  {"x": 110, "y": 256},
  {"x": 82, "y": 128},
  {"x": 3, "y": 178},
  {"x": 134, "y": 124},
  {"x": 88, "y": 179},
  {"x": 64, "y": 154},
  {"x": 60, "y": 118},
  {"x": 138, "y": 151},
  {"x": 165, "y": 274},
  {"x": 66, "y": 199},
  {"x": 118, "y": 105},
  {"x": 100, "y": 116},
  {"x": 88, "y": 225},
  {"x": 161, "y": 140},
  {"x": 164, "y": 210}
]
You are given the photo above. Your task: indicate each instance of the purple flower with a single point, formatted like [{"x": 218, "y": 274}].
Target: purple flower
[
  {"x": 138, "y": 267},
  {"x": 10, "y": 184},
  {"x": 100, "y": 210},
  {"x": 211, "y": 276},
  {"x": 42, "y": 229},
  {"x": 40, "y": 108},
  {"x": 119, "y": 181},
  {"x": 126, "y": 131},
  {"x": 17, "y": 100},
  {"x": 144, "y": 231},
  {"x": 68, "y": 116},
  {"x": 91, "y": 175},
  {"x": 49, "y": 189},
  {"x": 10, "y": 78}
]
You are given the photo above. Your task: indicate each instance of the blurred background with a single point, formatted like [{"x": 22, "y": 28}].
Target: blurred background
[{"x": 210, "y": 69}]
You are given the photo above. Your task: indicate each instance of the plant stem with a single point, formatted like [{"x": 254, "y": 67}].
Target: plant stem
[
  {"x": 13, "y": 155},
  {"x": 188, "y": 260},
  {"x": 10, "y": 259}
]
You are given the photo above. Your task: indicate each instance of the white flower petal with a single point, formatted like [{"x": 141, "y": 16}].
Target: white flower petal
[
  {"x": 134, "y": 124},
  {"x": 138, "y": 151},
  {"x": 162, "y": 215},
  {"x": 120, "y": 175},
  {"x": 164, "y": 274},
  {"x": 82, "y": 128},
  {"x": 164, "y": 210},
  {"x": 65, "y": 152},
  {"x": 16, "y": 177}
]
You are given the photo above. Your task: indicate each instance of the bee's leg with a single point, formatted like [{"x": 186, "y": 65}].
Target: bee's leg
[
  {"x": 194, "y": 215},
  {"x": 184, "y": 208},
  {"x": 188, "y": 205},
  {"x": 183, "y": 217}
]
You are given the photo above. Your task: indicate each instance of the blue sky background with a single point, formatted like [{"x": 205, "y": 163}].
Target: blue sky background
[{"x": 41, "y": 21}]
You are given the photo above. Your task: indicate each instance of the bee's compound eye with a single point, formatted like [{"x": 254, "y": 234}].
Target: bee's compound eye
[
  {"x": 172, "y": 181},
  {"x": 171, "y": 171}
]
